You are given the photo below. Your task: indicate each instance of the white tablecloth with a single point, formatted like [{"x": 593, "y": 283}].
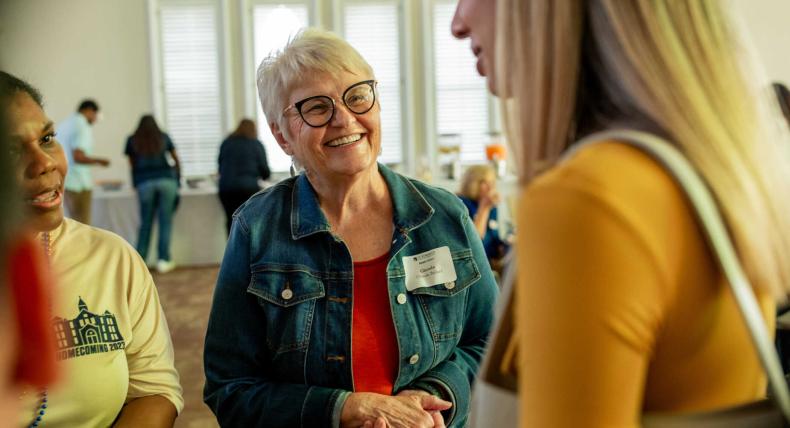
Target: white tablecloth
[
  {"x": 199, "y": 235},
  {"x": 198, "y": 225}
]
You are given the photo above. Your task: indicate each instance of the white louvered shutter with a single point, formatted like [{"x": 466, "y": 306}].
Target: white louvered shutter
[
  {"x": 373, "y": 29},
  {"x": 191, "y": 80},
  {"x": 461, "y": 93},
  {"x": 273, "y": 25}
]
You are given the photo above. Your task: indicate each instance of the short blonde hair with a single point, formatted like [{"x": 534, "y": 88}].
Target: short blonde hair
[
  {"x": 470, "y": 183},
  {"x": 310, "y": 51}
]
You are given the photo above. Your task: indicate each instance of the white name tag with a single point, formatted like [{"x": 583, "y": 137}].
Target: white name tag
[{"x": 429, "y": 268}]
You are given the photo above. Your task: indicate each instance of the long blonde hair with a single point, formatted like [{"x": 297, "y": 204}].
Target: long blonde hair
[{"x": 676, "y": 68}]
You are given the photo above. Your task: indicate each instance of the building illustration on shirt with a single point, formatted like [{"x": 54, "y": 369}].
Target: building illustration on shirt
[{"x": 87, "y": 333}]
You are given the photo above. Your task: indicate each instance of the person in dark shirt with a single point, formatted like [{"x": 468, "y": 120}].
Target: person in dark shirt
[
  {"x": 156, "y": 181},
  {"x": 783, "y": 96},
  {"x": 242, "y": 161}
]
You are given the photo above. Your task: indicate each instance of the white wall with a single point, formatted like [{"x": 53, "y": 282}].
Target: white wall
[
  {"x": 83, "y": 48},
  {"x": 73, "y": 49},
  {"x": 768, "y": 24}
]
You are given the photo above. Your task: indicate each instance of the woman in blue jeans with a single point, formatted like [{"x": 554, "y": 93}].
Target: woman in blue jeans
[{"x": 156, "y": 181}]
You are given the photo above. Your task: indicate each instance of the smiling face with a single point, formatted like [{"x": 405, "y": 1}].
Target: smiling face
[
  {"x": 476, "y": 20},
  {"x": 346, "y": 146},
  {"x": 40, "y": 164}
]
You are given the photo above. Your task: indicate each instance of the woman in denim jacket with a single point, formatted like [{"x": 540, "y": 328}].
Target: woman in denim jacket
[{"x": 349, "y": 295}]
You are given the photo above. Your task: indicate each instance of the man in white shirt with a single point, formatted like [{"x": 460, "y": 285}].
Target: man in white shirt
[{"x": 76, "y": 136}]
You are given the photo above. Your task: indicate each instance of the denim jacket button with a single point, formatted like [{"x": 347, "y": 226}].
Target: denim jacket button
[
  {"x": 449, "y": 285},
  {"x": 287, "y": 294},
  {"x": 414, "y": 359},
  {"x": 401, "y": 298}
]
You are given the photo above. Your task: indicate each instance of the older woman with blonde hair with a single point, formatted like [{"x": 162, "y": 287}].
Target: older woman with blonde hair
[
  {"x": 349, "y": 295},
  {"x": 481, "y": 197},
  {"x": 621, "y": 308}
]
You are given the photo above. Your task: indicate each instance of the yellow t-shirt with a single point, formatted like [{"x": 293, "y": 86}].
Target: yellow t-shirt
[
  {"x": 620, "y": 307},
  {"x": 112, "y": 338}
]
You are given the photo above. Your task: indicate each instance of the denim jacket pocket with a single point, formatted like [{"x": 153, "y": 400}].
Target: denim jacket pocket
[
  {"x": 466, "y": 272},
  {"x": 288, "y": 299},
  {"x": 444, "y": 305}
]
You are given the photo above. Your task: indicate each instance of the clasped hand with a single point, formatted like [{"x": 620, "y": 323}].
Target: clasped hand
[
  {"x": 407, "y": 409},
  {"x": 488, "y": 197}
]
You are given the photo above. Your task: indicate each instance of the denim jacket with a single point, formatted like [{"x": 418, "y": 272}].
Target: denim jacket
[{"x": 278, "y": 345}]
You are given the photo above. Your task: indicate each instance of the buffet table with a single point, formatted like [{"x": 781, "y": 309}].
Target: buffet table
[
  {"x": 198, "y": 225},
  {"x": 199, "y": 235}
]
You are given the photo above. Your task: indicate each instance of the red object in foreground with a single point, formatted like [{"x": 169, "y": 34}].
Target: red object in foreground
[{"x": 31, "y": 288}]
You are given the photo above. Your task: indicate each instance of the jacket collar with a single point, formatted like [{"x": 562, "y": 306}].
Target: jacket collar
[{"x": 410, "y": 208}]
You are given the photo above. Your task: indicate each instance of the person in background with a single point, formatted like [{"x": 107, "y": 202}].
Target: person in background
[
  {"x": 77, "y": 136},
  {"x": 27, "y": 346},
  {"x": 783, "y": 97},
  {"x": 156, "y": 181},
  {"x": 620, "y": 307},
  {"x": 349, "y": 248},
  {"x": 242, "y": 162},
  {"x": 479, "y": 194},
  {"x": 112, "y": 339}
]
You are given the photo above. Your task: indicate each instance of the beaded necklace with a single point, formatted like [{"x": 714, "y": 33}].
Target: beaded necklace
[{"x": 41, "y": 409}]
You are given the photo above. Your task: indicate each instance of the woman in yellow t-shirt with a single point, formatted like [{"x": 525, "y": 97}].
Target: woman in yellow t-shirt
[
  {"x": 112, "y": 340},
  {"x": 620, "y": 308},
  {"x": 27, "y": 355}
]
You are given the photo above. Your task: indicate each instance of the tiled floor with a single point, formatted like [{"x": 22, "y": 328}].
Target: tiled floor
[{"x": 186, "y": 299}]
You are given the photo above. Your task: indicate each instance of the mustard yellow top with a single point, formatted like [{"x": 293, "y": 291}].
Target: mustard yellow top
[{"x": 620, "y": 307}]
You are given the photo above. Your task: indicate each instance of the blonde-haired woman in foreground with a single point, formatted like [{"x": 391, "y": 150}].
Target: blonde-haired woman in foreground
[{"x": 620, "y": 308}]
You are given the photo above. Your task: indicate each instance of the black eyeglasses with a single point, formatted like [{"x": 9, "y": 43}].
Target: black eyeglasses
[{"x": 318, "y": 110}]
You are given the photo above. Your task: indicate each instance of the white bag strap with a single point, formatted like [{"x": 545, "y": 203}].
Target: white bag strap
[{"x": 710, "y": 219}]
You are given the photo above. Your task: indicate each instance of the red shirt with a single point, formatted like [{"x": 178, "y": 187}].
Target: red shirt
[{"x": 374, "y": 346}]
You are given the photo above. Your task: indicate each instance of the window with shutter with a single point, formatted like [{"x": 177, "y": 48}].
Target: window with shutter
[
  {"x": 192, "y": 96},
  {"x": 273, "y": 25},
  {"x": 462, "y": 100},
  {"x": 373, "y": 29}
]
